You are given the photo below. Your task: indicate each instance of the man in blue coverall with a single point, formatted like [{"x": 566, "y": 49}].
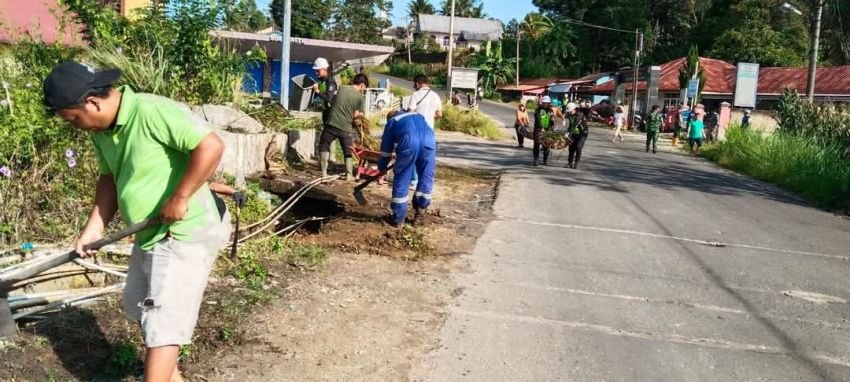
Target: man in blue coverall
[{"x": 415, "y": 147}]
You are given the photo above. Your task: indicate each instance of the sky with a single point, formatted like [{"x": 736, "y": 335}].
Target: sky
[{"x": 504, "y": 10}]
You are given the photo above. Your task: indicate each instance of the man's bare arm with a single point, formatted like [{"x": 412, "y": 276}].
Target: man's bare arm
[
  {"x": 203, "y": 162},
  {"x": 105, "y": 206}
]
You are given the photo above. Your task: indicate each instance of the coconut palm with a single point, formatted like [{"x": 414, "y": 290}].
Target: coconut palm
[
  {"x": 464, "y": 8},
  {"x": 533, "y": 26},
  {"x": 417, "y": 7}
]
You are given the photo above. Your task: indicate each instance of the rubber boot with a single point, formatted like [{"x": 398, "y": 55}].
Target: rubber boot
[
  {"x": 419, "y": 217},
  {"x": 349, "y": 168},
  {"x": 323, "y": 163}
]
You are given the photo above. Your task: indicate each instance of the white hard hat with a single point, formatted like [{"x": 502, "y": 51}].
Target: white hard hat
[
  {"x": 571, "y": 106},
  {"x": 320, "y": 63},
  {"x": 546, "y": 99}
]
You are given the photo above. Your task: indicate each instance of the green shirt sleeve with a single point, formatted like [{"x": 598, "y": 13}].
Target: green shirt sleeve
[{"x": 174, "y": 127}]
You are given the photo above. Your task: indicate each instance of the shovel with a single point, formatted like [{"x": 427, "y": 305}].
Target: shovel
[
  {"x": 358, "y": 190},
  {"x": 7, "y": 324}
]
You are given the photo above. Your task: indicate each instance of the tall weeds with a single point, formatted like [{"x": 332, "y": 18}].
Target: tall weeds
[
  {"x": 810, "y": 166},
  {"x": 468, "y": 122}
]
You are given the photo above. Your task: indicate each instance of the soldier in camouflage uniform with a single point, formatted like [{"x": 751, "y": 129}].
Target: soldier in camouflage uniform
[{"x": 653, "y": 128}]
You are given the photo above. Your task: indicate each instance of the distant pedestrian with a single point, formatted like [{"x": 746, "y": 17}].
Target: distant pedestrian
[
  {"x": 619, "y": 120},
  {"x": 455, "y": 98},
  {"x": 711, "y": 120},
  {"x": 683, "y": 121},
  {"x": 745, "y": 122},
  {"x": 696, "y": 132},
  {"x": 653, "y": 128},
  {"x": 521, "y": 123},
  {"x": 480, "y": 94}
]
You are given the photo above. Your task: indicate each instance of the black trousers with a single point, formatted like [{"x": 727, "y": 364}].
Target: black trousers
[
  {"x": 575, "y": 148},
  {"x": 519, "y": 137},
  {"x": 329, "y": 134},
  {"x": 538, "y": 139}
]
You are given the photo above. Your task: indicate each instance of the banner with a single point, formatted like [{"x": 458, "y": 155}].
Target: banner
[
  {"x": 746, "y": 85},
  {"x": 464, "y": 78}
]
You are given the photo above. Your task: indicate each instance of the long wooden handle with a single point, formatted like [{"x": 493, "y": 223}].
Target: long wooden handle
[{"x": 56, "y": 260}]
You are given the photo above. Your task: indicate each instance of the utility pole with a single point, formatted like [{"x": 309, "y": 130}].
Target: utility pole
[
  {"x": 633, "y": 106},
  {"x": 409, "y": 42},
  {"x": 451, "y": 51},
  {"x": 813, "y": 51},
  {"x": 517, "y": 59},
  {"x": 284, "y": 53}
]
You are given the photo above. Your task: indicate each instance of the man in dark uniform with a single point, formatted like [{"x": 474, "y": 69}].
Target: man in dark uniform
[
  {"x": 326, "y": 88},
  {"x": 544, "y": 120},
  {"x": 578, "y": 134}
]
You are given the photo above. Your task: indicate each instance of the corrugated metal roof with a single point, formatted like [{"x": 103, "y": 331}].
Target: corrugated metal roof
[
  {"x": 719, "y": 77},
  {"x": 491, "y": 29},
  {"x": 833, "y": 80},
  {"x": 36, "y": 19}
]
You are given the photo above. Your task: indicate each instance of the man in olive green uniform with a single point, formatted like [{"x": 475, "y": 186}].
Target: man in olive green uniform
[
  {"x": 347, "y": 105},
  {"x": 653, "y": 128}
]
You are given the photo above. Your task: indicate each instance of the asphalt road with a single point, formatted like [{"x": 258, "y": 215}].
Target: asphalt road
[{"x": 642, "y": 267}]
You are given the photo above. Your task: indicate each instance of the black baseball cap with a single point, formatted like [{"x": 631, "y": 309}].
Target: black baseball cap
[{"x": 70, "y": 81}]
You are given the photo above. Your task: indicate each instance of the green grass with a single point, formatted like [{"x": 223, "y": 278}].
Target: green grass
[
  {"x": 810, "y": 167},
  {"x": 399, "y": 91},
  {"x": 468, "y": 122}
]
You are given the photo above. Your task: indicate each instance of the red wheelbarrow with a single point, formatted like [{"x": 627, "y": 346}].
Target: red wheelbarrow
[{"x": 367, "y": 163}]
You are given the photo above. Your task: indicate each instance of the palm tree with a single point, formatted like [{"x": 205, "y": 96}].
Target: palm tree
[
  {"x": 464, "y": 8},
  {"x": 417, "y": 7},
  {"x": 534, "y": 25},
  {"x": 493, "y": 69}
]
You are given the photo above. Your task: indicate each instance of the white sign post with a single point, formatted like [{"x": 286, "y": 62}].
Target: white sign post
[
  {"x": 746, "y": 85},
  {"x": 464, "y": 78}
]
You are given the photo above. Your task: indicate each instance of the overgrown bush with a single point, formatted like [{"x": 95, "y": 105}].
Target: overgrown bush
[
  {"x": 46, "y": 168},
  {"x": 829, "y": 124},
  {"x": 468, "y": 122},
  {"x": 817, "y": 170}
]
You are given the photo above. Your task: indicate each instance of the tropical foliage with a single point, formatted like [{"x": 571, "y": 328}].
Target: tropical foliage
[
  {"x": 464, "y": 8},
  {"x": 493, "y": 69},
  {"x": 417, "y": 7}
]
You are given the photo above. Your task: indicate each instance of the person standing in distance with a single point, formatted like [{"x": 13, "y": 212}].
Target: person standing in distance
[
  {"x": 653, "y": 128},
  {"x": 544, "y": 120},
  {"x": 347, "y": 105},
  {"x": 154, "y": 160}
]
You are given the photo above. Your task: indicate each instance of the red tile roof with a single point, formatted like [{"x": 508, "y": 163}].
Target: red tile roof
[
  {"x": 720, "y": 77},
  {"x": 833, "y": 80},
  {"x": 37, "y": 19}
]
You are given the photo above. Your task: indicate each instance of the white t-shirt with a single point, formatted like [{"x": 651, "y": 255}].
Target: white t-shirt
[
  {"x": 619, "y": 119},
  {"x": 429, "y": 106}
]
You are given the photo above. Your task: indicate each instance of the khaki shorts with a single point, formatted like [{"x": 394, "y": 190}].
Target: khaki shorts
[{"x": 165, "y": 285}]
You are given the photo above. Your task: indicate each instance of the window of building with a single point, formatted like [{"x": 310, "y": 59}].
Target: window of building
[{"x": 671, "y": 99}]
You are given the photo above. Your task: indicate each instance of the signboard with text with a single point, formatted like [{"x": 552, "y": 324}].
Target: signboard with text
[
  {"x": 693, "y": 88},
  {"x": 464, "y": 78},
  {"x": 746, "y": 85}
]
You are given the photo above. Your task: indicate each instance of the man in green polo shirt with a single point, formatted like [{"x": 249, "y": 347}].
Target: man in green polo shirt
[
  {"x": 154, "y": 160},
  {"x": 347, "y": 105}
]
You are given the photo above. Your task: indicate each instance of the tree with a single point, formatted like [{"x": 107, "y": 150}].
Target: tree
[
  {"x": 493, "y": 69},
  {"x": 243, "y": 16},
  {"x": 417, "y": 7},
  {"x": 533, "y": 26},
  {"x": 309, "y": 17},
  {"x": 753, "y": 38},
  {"x": 356, "y": 21},
  {"x": 556, "y": 42},
  {"x": 690, "y": 69},
  {"x": 464, "y": 8}
]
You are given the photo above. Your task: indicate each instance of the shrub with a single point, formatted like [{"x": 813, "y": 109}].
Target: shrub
[
  {"x": 468, "y": 122},
  {"x": 827, "y": 123},
  {"x": 816, "y": 170}
]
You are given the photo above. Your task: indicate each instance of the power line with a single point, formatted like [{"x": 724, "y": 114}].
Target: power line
[{"x": 583, "y": 23}]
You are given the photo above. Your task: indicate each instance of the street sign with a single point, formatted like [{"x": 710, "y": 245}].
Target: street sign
[
  {"x": 746, "y": 85},
  {"x": 693, "y": 88},
  {"x": 628, "y": 76},
  {"x": 464, "y": 78}
]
